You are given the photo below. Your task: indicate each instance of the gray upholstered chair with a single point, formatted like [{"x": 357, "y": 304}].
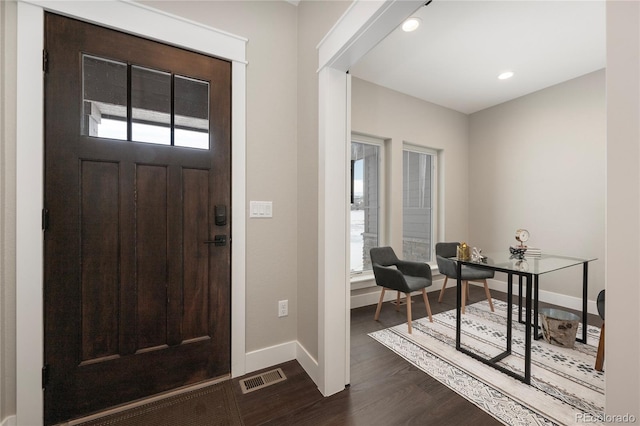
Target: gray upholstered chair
[
  {"x": 600, "y": 354},
  {"x": 447, "y": 267},
  {"x": 401, "y": 276}
]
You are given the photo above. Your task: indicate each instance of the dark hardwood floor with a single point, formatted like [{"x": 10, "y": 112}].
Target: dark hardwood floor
[{"x": 385, "y": 389}]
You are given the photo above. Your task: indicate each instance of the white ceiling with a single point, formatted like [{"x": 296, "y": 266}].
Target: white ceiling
[{"x": 454, "y": 57}]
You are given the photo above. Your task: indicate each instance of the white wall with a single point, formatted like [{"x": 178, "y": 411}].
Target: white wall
[
  {"x": 282, "y": 161},
  {"x": 623, "y": 252},
  {"x": 272, "y": 269},
  {"x": 271, "y": 161},
  {"x": 271, "y": 28},
  {"x": 399, "y": 118},
  {"x": 559, "y": 133},
  {"x": 7, "y": 209},
  {"x": 538, "y": 162},
  {"x": 622, "y": 356},
  {"x": 315, "y": 19}
]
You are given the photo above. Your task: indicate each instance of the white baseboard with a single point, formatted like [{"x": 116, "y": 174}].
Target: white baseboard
[
  {"x": 9, "y": 421},
  {"x": 372, "y": 297},
  {"x": 288, "y": 351},
  {"x": 273, "y": 355},
  {"x": 278, "y": 354},
  {"x": 570, "y": 302},
  {"x": 365, "y": 299},
  {"x": 308, "y": 363}
]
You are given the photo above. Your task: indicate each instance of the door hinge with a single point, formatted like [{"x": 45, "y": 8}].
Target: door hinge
[
  {"x": 45, "y": 61},
  {"x": 45, "y": 219},
  {"x": 45, "y": 376}
]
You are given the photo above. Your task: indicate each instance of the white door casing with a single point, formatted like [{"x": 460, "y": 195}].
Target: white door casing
[
  {"x": 149, "y": 23},
  {"x": 359, "y": 29}
]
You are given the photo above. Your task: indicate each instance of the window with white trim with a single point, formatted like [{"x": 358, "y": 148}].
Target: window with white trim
[
  {"x": 418, "y": 202},
  {"x": 366, "y": 196}
]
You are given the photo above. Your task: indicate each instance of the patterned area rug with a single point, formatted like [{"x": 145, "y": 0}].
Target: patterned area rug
[{"x": 565, "y": 388}]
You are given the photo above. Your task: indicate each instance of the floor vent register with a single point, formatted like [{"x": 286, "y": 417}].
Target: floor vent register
[{"x": 263, "y": 380}]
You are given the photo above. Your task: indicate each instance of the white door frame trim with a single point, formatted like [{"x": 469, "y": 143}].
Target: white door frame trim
[
  {"x": 139, "y": 20},
  {"x": 361, "y": 27}
]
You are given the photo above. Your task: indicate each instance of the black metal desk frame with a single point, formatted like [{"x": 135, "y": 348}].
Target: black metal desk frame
[
  {"x": 531, "y": 282},
  {"x": 585, "y": 275}
]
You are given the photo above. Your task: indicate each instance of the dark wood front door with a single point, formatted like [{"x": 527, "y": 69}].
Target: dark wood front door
[{"x": 137, "y": 189}]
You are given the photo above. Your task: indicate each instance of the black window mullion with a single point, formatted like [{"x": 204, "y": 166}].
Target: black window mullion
[
  {"x": 129, "y": 106},
  {"x": 172, "y": 118}
]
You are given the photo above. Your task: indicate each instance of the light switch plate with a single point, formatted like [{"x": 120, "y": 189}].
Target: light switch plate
[{"x": 261, "y": 209}]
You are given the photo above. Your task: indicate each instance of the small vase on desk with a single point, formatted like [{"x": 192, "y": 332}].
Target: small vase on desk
[{"x": 464, "y": 253}]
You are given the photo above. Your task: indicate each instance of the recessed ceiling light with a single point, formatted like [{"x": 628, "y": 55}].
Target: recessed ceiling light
[
  {"x": 411, "y": 24},
  {"x": 505, "y": 75}
]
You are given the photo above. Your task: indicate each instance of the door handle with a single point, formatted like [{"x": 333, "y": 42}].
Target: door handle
[{"x": 218, "y": 241}]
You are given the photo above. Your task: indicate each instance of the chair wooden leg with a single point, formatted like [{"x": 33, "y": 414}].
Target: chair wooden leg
[
  {"x": 409, "y": 311},
  {"x": 600, "y": 355},
  {"x": 426, "y": 303},
  {"x": 442, "y": 290},
  {"x": 488, "y": 293},
  {"x": 465, "y": 290},
  {"x": 398, "y": 301},
  {"x": 375, "y": 318}
]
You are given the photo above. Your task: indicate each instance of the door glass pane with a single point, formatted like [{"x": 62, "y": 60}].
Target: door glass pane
[
  {"x": 191, "y": 108},
  {"x": 365, "y": 204},
  {"x": 151, "y": 106},
  {"x": 104, "y": 98}
]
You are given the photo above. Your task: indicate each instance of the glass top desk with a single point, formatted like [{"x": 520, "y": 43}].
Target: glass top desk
[{"x": 528, "y": 270}]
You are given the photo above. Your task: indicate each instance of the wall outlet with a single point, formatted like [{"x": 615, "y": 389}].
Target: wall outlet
[{"x": 283, "y": 308}]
